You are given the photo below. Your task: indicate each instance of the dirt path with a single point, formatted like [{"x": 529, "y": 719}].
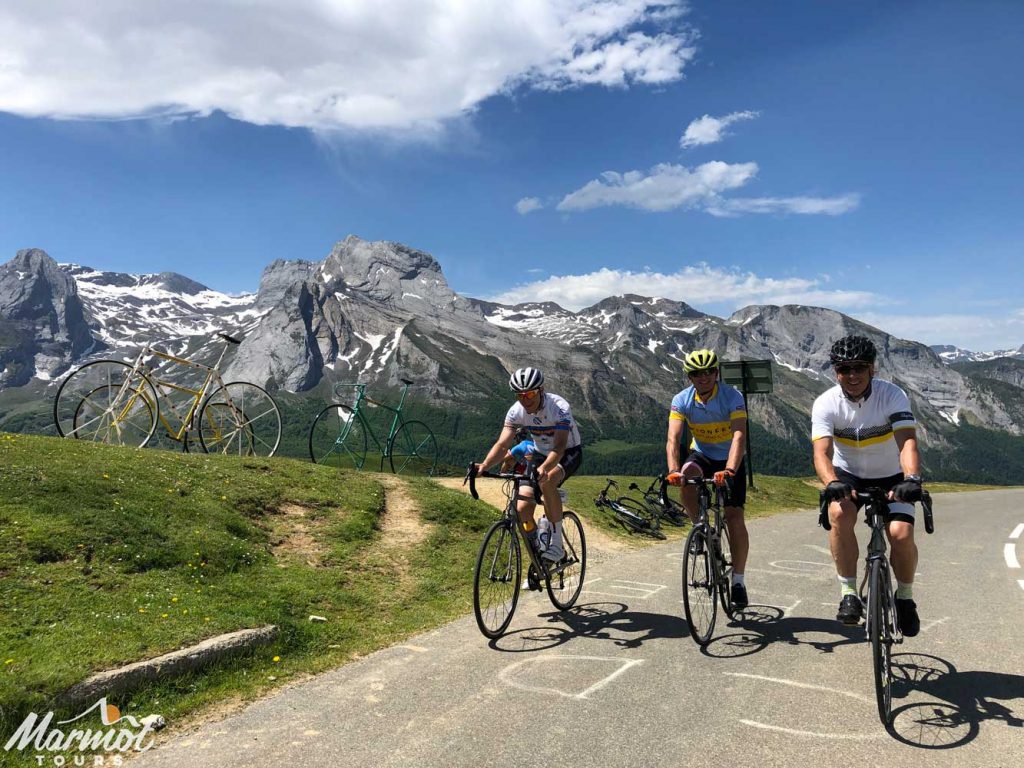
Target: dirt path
[{"x": 400, "y": 523}]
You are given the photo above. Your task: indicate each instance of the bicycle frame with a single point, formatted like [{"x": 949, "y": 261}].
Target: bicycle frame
[
  {"x": 704, "y": 518},
  {"x": 212, "y": 375},
  {"x": 396, "y": 422}
]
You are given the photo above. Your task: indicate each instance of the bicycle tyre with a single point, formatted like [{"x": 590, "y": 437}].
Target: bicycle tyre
[
  {"x": 699, "y": 599},
  {"x": 879, "y": 622},
  {"x": 724, "y": 561},
  {"x": 497, "y": 579},
  {"x": 674, "y": 514},
  {"x": 565, "y": 585},
  {"x": 337, "y": 438},
  {"x": 79, "y": 390},
  {"x": 240, "y": 418},
  {"x": 637, "y": 517},
  {"x": 413, "y": 449}
]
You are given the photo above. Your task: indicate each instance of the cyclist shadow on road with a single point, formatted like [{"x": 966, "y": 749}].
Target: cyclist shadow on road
[
  {"x": 956, "y": 702},
  {"x": 603, "y": 621},
  {"x": 762, "y": 625}
]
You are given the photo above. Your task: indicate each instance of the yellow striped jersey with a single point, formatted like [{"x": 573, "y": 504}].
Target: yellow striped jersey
[{"x": 710, "y": 422}]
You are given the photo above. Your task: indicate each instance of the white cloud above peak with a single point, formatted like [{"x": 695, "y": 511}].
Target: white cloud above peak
[
  {"x": 326, "y": 64},
  {"x": 528, "y": 204},
  {"x": 710, "y": 130}
]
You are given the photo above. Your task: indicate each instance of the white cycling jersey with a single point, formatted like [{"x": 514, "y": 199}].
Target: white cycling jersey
[
  {"x": 863, "y": 431},
  {"x": 553, "y": 415}
]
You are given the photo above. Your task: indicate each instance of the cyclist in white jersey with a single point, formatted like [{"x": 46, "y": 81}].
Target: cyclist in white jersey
[
  {"x": 864, "y": 435},
  {"x": 557, "y": 454}
]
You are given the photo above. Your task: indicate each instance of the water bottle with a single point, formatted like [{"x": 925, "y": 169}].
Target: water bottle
[
  {"x": 530, "y": 528},
  {"x": 544, "y": 531}
]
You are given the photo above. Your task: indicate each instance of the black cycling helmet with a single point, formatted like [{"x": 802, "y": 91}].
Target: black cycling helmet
[
  {"x": 526, "y": 379},
  {"x": 853, "y": 349},
  {"x": 700, "y": 360}
]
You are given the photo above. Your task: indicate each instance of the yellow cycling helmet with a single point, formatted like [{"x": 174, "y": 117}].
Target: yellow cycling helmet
[{"x": 700, "y": 360}]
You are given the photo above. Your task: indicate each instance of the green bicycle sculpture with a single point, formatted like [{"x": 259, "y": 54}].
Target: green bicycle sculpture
[{"x": 341, "y": 434}]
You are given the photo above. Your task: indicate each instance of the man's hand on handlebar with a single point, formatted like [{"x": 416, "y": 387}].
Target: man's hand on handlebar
[{"x": 674, "y": 478}]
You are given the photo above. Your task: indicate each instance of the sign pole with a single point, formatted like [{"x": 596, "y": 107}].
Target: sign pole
[{"x": 750, "y": 459}]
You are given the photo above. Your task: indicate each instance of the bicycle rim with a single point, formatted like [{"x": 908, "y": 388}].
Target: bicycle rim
[
  {"x": 565, "y": 582},
  {"x": 638, "y": 518},
  {"x": 240, "y": 419},
  {"x": 413, "y": 450},
  {"x": 106, "y": 401},
  {"x": 497, "y": 578},
  {"x": 338, "y": 438},
  {"x": 879, "y": 619},
  {"x": 699, "y": 599},
  {"x": 725, "y": 569}
]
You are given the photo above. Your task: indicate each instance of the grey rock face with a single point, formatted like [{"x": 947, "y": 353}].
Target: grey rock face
[{"x": 43, "y": 325}]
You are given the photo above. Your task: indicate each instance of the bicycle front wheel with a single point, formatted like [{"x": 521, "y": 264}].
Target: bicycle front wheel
[
  {"x": 636, "y": 517},
  {"x": 413, "y": 449},
  {"x": 338, "y": 438},
  {"x": 699, "y": 598},
  {"x": 565, "y": 579},
  {"x": 725, "y": 569},
  {"x": 241, "y": 419},
  {"x": 107, "y": 401},
  {"x": 880, "y": 635},
  {"x": 497, "y": 579}
]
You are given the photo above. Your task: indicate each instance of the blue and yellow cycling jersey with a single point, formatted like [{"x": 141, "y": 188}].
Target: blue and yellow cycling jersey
[
  {"x": 710, "y": 422},
  {"x": 522, "y": 450}
]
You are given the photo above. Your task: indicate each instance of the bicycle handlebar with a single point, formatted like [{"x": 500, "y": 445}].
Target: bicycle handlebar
[
  {"x": 878, "y": 495},
  {"x": 471, "y": 475}
]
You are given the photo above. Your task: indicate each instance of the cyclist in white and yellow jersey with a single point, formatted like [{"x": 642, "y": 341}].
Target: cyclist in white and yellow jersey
[
  {"x": 717, "y": 417},
  {"x": 864, "y": 435},
  {"x": 556, "y": 453}
]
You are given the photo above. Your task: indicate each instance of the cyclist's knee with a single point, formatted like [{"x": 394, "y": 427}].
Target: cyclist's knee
[
  {"x": 842, "y": 513},
  {"x": 901, "y": 533},
  {"x": 734, "y": 515}
]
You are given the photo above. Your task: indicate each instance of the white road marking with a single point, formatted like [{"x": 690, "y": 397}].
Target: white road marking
[
  {"x": 794, "y": 574},
  {"x": 793, "y": 732},
  {"x": 624, "y": 664},
  {"x": 1017, "y": 531},
  {"x": 1010, "y": 555},
  {"x": 1021, "y": 582},
  {"x": 934, "y": 622},
  {"x": 816, "y": 548},
  {"x": 799, "y": 565},
  {"x": 797, "y": 684},
  {"x": 602, "y": 683},
  {"x": 636, "y": 589}
]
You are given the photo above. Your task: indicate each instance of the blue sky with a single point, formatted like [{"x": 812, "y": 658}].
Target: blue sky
[{"x": 861, "y": 156}]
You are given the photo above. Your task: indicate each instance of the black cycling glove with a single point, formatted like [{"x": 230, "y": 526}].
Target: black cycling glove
[
  {"x": 837, "y": 490},
  {"x": 908, "y": 490}
]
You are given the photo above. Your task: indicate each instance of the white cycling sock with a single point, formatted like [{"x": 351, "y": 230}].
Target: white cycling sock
[
  {"x": 848, "y": 585},
  {"x": 904, "y": 590}
]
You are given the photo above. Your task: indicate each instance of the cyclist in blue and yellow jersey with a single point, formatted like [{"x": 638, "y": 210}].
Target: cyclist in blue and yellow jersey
[
  {"x": 717, "y": 417},
  {"x": 556, "y": 453},
  {"x": 864, "y": 435}
]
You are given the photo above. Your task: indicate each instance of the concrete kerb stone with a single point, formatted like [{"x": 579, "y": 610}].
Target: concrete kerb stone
[{"x": 130, "y": 677}]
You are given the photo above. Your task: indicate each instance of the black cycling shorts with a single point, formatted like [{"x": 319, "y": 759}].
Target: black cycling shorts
[
  {"x": 898, "y": 510},
  {"x": 736, "y": 495},
  {"x": 570, "y": 462}
]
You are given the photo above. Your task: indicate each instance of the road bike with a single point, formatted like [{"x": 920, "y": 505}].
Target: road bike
[
  {"x": 497, "y": 579},
  {"x": 707, "y": 563},
  {"x": 633, "y": 515},
  {"x": 881, "y": 627},
  {"x": 341, "y": 434},
  {"x": 656, "y": 497},
  {"x": 120, "y": 403}
]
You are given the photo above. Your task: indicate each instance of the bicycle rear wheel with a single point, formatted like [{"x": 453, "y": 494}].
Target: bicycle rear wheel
[
  {"x": 107, "y": 401},
  {"x": 880, "y": 635},
  {"x": 725, "y": 569},
  {"x": 240, "y": 419},
  {"x": 565, "y": 579},
  {"x": 636, "y": 517},
  {"x": 674, "y": 514},
  {"x": 497, "y": 579},
  {"x": 338, "y": 438},
  {"x": 699, "y": 586},
  {"x": 413, "y": 449}
]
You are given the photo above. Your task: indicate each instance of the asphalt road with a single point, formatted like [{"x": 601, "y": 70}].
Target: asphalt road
[{"x": 617, "y": 681}]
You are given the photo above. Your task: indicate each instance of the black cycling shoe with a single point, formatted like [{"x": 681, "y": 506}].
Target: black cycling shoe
[
  {"x": 906, "y": 617},
  {"x": 532, "y": 579},
  {"x": 851, "y": 611},
  {"x": 738, "y": 597}
]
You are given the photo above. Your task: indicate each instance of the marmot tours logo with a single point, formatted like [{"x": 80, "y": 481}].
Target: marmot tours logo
[{"x": 119, "y": 734}]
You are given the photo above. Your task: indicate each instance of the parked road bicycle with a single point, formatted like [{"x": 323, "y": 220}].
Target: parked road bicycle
[
  {"x": 881, "y": 627},
  {"x": 667, "y": 509},
  {"x": 119, "y": 403},
  {"x": 632, "y": 514},
  {"x": 499, "y": 566},
  {"x": 341, "y": 434},
  {"x": 707, "y": 563}
]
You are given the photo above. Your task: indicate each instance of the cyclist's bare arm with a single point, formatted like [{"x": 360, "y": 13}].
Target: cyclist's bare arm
[
  {"x": 675, "y": 434},
  {"x": 555, "y": 455},
  {"x": 823, "y": 460},
  {"x": 739, "y": 436},
  {"x": 505, "y": 441},
  {"x": 906, "y": 441}
]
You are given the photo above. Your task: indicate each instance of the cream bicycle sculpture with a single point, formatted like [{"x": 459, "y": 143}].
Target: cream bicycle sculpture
[{"x": 119, "y": 403}]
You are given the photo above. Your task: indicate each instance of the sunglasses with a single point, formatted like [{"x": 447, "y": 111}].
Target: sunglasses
[
  {"x": 708, "y": 372},
  {"x": 853, "y": 368},
  {"x": 528, "y": 394}
]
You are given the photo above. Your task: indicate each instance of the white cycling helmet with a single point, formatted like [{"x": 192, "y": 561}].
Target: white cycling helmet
[{"x": 526, "y": 379}]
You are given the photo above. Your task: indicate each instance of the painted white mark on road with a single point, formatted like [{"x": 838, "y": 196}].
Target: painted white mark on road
[
  {"x": 793, "y": 574},
  {"x": 1021, "y": 582},
  {"x": 934, "y": 622},
  {"x": 508, "y": 674},
  {"x": 816, "y": 548},
  {"x": 636, "y": 589},
  {"x": 803, "y": 566},
  {"x": 787, "y": 610},
  {"x": 794, "y": 732},
  {"x": 1010, "y": 555},
  {"x": 798, "y": 684},
  {"x": 1017, "y": 531}
]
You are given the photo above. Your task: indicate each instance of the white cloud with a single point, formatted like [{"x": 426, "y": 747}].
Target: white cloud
[
  {"x": 978, "y": 333},
  {"x": 700, "y": 285},
  {"x": 666, "y": 187},
  {"x": 831, "y": 206},
  {"x": 528, "y": 204},
  {"x": 708, "y": 129},
  {"x": 325, "y": 64}
]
